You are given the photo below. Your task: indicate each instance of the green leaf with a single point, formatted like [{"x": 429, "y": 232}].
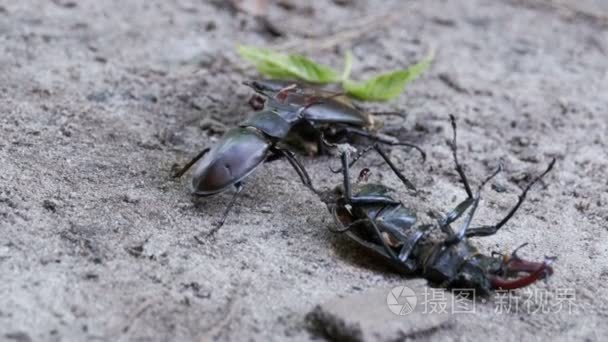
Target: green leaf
[
  {"x": 282, "y": 66},
  {"x": 387, "y": 86}
]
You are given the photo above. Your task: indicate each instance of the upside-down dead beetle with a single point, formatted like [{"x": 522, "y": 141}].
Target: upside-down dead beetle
[
  {"x": 241, "y": 150},
  {"x": 329, "y": 116},
  {"x": 378, "y": 222}
]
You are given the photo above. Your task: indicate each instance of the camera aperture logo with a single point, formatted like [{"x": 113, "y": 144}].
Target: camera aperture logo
[{"x": 401, "y": 300}]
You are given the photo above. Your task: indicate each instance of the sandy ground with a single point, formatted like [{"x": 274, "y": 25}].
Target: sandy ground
[{"x": 100, "y": 99}]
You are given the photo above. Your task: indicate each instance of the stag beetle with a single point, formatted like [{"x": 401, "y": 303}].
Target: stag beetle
[
  {"x": 241, "y": 150},
  {"x": 435, "y": 251},
  {"x": 329, "y": 116}
]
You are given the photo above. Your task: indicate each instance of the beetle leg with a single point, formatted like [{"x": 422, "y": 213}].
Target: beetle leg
[
  {"x": 489, "y": 178},
  {"x": 344, "y": 228},
  {"x": 382, "y": 140},
  {"x": 273, "y": 157},
  {"x": 297, "y": 166},
  {"x": 238, "y": 188},
  {"x": 405, "y": 181},
  {"x": 454, "y": 215},
  {"x": 462, "y": 233},
  {"x": 355, "y": 159},
  {"x": 408, "y": 266},
  {"x": 384, "y": 156},
  {"x": 464, "y": 205},
  {"x": 389, "y": 114},
  {"x": 187, "y": 167},
  {"x": 408, "y": 245},
  {"x": 489, "y": 230},
  {"x": 359, "y": 199},
  {"x": 459, "y": 169}
]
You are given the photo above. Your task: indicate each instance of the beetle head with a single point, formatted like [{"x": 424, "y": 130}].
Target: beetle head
[
  {"x": 465, "y": 268},
  {"x": 495, "y": 273}
]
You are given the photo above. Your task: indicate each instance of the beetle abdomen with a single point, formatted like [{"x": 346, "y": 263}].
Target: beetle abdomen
[{"x": 233, "y": 158}]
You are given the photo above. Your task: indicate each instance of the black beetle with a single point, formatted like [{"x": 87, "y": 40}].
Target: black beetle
[
  {"x": 376, "y": 221},
  {"x": 241, "y": 150}
]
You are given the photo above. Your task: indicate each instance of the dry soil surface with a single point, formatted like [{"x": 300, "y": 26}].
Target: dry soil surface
[{"x": 100, "y": 99}]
